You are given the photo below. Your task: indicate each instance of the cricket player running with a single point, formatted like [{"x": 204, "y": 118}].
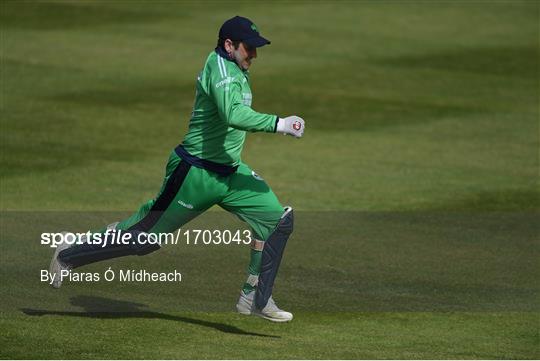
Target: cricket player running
[{"x": 206, "y": 169}]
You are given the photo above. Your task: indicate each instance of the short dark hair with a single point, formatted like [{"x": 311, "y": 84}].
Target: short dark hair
[{"x": 221, "y": 43}]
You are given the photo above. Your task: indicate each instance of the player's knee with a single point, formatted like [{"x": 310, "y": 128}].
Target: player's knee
[
  {"x": 286, "y": 222},
  {"x": 279, "y": 219}
]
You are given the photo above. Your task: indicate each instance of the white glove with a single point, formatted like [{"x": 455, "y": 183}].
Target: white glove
[{"x": 292, "y": 125}]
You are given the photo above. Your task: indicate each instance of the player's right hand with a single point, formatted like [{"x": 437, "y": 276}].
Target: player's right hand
[{"x": 292, "y": 125}]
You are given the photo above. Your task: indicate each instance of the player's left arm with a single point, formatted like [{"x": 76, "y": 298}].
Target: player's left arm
[
  {"x": 227, "y": 95},
  {"x": 229, "y": 102}
]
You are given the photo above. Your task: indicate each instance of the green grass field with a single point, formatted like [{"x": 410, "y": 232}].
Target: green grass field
[{"x": 416, "y": 185}]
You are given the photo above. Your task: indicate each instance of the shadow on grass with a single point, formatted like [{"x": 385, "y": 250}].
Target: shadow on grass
[{"x": 104, "y": 308}]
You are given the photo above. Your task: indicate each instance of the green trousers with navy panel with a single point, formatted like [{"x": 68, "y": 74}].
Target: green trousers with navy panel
[{"x": 187, "y": 191}]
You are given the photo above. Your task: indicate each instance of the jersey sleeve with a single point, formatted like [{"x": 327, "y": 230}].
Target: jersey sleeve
[{"x": 227, "y": 95}]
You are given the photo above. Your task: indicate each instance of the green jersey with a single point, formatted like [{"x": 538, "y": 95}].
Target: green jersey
[{"x": 222, "y": 113}]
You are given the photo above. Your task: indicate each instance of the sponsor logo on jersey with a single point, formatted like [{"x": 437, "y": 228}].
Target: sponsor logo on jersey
[
  {"x": 256, "y": 176},
  {"x": 187, "y": 205},
  {"x": 225, "y": 81},
  {"x": 246, "y": 99}
]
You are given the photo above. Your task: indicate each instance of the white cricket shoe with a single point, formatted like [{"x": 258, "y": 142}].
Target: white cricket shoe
[
  {"x": 56, "y": 267},
  {"x": 246, "y": 306}
]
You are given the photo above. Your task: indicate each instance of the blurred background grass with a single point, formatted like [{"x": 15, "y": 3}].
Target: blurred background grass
[{"x": 409, "y": 105}]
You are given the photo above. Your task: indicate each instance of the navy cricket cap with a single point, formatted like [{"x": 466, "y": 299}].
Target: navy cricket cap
[{"x": 242, "y": 29}]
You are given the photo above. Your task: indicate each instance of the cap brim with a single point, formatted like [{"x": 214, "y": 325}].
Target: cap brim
[{"x": 257, "y": 41}]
